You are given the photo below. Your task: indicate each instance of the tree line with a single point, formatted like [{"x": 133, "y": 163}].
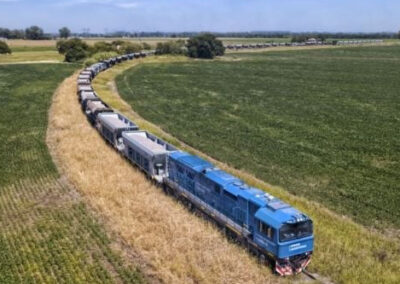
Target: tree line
[
  {"x": 36, "y": 32},
  {"x": 32, "y": 33},
  {"x": 200, "y": 46}
]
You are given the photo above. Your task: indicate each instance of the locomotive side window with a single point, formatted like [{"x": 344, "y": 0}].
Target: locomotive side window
[
  {"x": 217, "y": 188},
  {"x": 180, "y": 169},
  {"x": 129, "y": 152},
  {"x": 265, "y": 230},
  {"x": 189, "y": 174},
  {"x": 146, "y": 164}
]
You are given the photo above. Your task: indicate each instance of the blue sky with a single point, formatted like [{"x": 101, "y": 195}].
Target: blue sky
[{"x": 206, "y": 15}]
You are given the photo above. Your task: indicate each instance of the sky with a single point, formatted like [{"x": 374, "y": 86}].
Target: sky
[{"x": 206, "y": 15}]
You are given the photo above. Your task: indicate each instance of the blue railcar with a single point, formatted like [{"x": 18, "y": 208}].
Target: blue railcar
[{"x": 269, "y": 226}]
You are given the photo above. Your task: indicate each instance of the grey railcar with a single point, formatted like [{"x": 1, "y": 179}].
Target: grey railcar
[
  {"x": 93, "y": 108},
  {"x": 85, "y": 97},
  {"x": 111, "y": 125},
  {"x": 84, "y": 88},
  {"x": 83, "y": 82},
  {"x": 84, "y": 76},
  {"x": 87, "y": 72},
  {"x": 148, "y": 152}
]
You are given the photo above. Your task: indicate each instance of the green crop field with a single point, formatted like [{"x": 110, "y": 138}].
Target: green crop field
[
  {"x": 47, "y": 233},
  {"x": 323, "y": 124}
]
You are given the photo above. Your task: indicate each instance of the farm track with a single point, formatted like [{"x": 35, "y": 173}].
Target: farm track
[
  {"x": 175, "y": 246},
  {"x": 345, "y": 251}
]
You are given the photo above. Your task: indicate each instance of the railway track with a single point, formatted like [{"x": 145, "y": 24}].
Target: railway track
[{"x": 314, "y": 277}]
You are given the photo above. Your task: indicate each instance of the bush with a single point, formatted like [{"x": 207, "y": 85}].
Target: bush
[
  {"x": 102, "y": 46},
  {"x": 74, "y": 49},
  {"x": 104, "y": 55},
  {"x": 100, "y": 56},
  {"x": 300, "y": 38},
  {"x": 4, "y": 48},
  {"x": 171, "y": 47},
  {"x": 75, "y": 54},
  {"x": 205, "y": 46},
  {"x": 129, "y": 47},
  {"x": 90, "y": 61},
  {"x": 146, "y": 46},
  {"x": 63, "y": 46}
]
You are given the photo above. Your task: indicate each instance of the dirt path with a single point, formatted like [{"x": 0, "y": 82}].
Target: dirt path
[{"x": 173, "y": 244}]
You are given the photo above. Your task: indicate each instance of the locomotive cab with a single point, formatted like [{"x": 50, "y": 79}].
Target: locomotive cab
[{"x": 287, "y": 234}]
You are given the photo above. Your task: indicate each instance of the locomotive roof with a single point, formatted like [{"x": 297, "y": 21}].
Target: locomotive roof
[
  {"x": 272, "y": 210},
  {"x": 195, "y": 163}
]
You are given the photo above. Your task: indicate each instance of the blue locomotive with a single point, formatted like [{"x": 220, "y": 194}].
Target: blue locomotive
[{"x": 264, "y": 224}]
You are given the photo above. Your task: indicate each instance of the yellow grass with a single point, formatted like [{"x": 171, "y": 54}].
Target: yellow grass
[
  {"x": 345, "y": 252},
  {"x": 91, "y": 41},
  {"x": 32, "y": 56},
  {"x": 181, "y": 247}
]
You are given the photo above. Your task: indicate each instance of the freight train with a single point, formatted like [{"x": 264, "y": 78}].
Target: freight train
[{"x": 274, "y": 231}]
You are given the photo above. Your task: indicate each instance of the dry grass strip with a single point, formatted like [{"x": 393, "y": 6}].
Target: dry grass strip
[{"x": 181, "y": 247}]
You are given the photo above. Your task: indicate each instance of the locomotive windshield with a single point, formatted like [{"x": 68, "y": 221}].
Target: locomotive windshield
[{"x": 295, "y": 231}]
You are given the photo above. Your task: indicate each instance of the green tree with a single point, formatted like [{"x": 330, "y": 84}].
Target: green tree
[
  {"x": 205, "y": 46},
  {"x": 102, "y": 46},
  {"x": 64, "y": 32},
  {"x": 129, "y": 47},
  {"x": 75, "y": 54},
  {"x": 299, "y": 38},
  {"x": 34, "y": 32},
  {"x": 398, "y": 35},
  {"x": 4, "y": 48},
  {"x": 146, "y": 46},
  {"x": 64, "y": 45},
  {"x": 74, "y": 49}
]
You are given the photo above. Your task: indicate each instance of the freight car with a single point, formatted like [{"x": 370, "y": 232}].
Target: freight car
[
  {"x": 148, "y": 152},
  {"x": 93, "y": 108},
  {"x": 265, "y": 225},
  {"x": 85, "y": 97},
  {"x": 83, "y": 88},
  {"x": 111, "y": 125}
]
